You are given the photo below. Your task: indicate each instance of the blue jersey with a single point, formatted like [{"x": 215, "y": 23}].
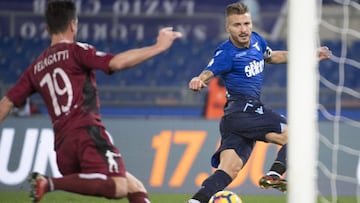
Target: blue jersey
[{"x": 241, "y": 68}]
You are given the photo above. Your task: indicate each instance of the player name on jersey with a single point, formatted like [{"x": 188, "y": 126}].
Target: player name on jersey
[{"x": 52, "y": 58}]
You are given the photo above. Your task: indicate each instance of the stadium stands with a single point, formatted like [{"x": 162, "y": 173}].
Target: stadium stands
[
  {"x": 173, "y": 68},
  {"x": 162, "y": 81}
]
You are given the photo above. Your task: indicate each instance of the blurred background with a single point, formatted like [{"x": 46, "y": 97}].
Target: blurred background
[{"x": 158, "y": 87}]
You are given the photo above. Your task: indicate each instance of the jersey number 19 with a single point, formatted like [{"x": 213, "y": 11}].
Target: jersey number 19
[{"x": 56, "y": 91}]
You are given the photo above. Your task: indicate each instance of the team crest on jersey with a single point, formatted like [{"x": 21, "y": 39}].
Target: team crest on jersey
[
  {"x": 256, "y": 45},
  {"x": 113, "y": 166}
]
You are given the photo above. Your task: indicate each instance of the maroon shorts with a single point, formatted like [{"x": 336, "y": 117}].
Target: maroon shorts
[{"x": 89, "y": 150}]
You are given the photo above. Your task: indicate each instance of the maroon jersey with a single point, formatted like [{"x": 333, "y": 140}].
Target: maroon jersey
[{"x": 64, "y": 75}]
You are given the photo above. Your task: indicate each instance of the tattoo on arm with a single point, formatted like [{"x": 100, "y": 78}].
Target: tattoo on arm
[{"x": 206, "y": 75}]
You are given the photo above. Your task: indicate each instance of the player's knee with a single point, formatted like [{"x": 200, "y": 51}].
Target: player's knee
[
  {"x": 232, "y": 169},
  {"x": 121, "y": 188},
  {"x": 277, "y": 138},
  {"x": 235, "y": 170},
  {"x": 231, "y": 163},
  {"x": 135, "y": 185},
  {"x": 283, "y": 140},
  {"x": 120, "y": 193}
]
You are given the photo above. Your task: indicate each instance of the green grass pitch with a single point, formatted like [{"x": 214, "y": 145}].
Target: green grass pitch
[{"x": 61, "y": 197}]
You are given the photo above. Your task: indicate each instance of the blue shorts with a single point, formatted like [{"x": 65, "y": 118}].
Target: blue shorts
[{"x": 241, "y": 128}]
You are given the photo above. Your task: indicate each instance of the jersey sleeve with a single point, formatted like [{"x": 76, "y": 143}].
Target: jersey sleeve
[
  {"x": 90, "y": 58},
  {"x": 267, "y": 53},
  {"x": 21, "y": 90},
  {"x": 220, "y": 63},
  {"x": 266, "y": 50}
]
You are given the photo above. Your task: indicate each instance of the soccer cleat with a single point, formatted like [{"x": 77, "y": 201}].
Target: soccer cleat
[
  {"x": 193, "y": 201},
  {"x": 275, "y": 182},
  {"x": 39, "y": 185}
]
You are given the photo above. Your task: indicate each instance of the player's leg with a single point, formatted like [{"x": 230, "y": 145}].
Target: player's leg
[
  {"x": 86, "y": 184},
  {"x": 136, "y": 190},
  {"x": 230, "y": 163},
  {"x": 91, "y": 165},
  {"x": 273, "y": 178},
  {"x": 230, "y": 158},
  {"x": 229, "y": 167}
]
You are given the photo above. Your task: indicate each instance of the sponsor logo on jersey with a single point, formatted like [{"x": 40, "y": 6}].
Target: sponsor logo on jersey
[{"x": 254, "y": 68}]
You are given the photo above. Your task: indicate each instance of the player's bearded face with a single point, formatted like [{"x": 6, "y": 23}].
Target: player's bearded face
[{"x": 239, "y": 27}]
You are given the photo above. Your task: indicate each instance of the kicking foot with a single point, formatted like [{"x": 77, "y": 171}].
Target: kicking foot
[
  {"x": 275, "y": 182},
  {"x": 39, "y": 186}
]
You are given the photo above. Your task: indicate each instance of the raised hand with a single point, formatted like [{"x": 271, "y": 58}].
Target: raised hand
[
  {"x": 166, "y": 37},
  {"x": 324, "y": 53}
]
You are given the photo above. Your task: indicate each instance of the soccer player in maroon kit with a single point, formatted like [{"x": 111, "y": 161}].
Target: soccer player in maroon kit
[{"x": 64, "y": 75}]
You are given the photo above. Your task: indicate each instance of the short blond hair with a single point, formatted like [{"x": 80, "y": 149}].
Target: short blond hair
[{"x": 236, "y": 8}]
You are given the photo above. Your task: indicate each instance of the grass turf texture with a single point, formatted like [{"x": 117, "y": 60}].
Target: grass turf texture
[{"x": 61, "y": 197}]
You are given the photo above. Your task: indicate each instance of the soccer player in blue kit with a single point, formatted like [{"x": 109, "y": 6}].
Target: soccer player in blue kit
[{"x": 239, "y": 61}]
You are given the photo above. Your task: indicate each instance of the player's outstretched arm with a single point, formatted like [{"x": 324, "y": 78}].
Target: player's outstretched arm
[
  {"x": 199, "y": 82},
  {"x": 278, "y": 57},
  {"x": 5, "y": 107},
  {"x": 133, "y": 57}
]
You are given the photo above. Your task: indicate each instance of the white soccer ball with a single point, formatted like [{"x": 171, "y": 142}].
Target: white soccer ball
[{"x": 225, "y": 196}]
